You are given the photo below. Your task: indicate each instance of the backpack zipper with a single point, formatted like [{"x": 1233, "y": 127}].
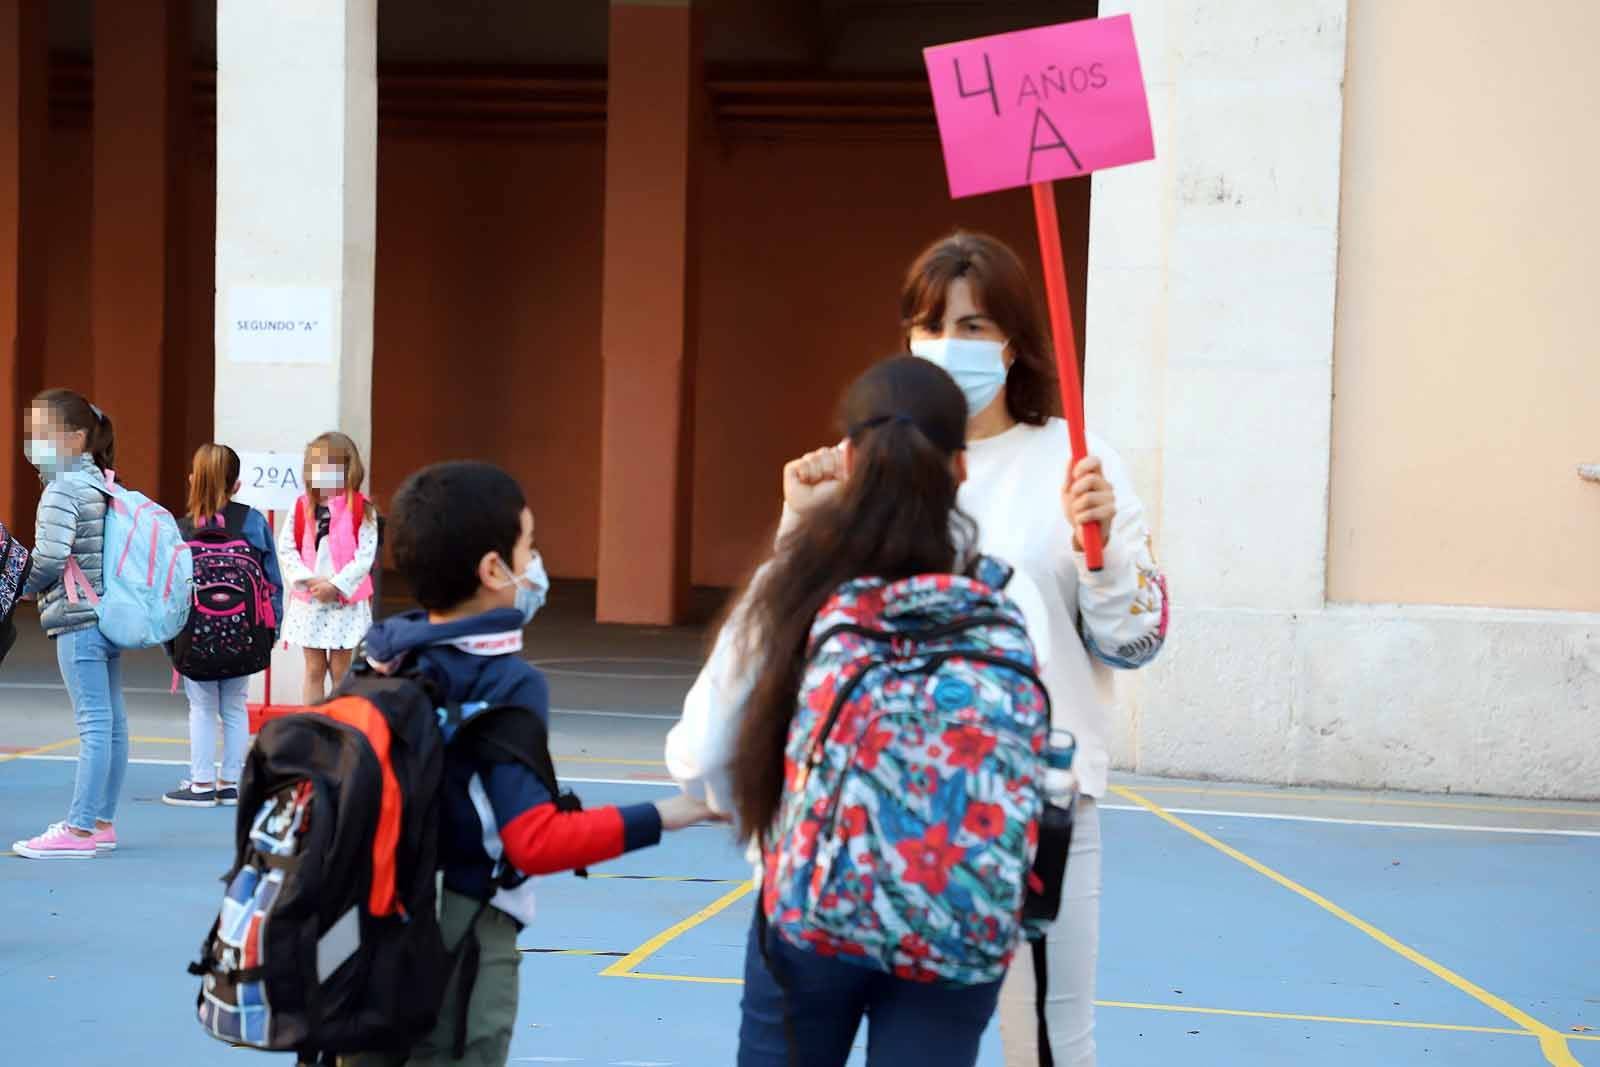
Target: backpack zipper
[
  {"x": 932, "y": 633},
  {"x": 934, "y": 660}
]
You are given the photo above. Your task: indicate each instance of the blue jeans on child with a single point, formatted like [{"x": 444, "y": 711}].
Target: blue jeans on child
[
  {"x": 208, "y": 702},
  {"x": 907, "y": 1022},
  {"x": 91, "y": 667}
]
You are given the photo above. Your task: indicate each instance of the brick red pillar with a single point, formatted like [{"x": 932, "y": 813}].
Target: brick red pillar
[
  {"x": 647, "y": 328},
  {"x": 24, "y": 129},
  {"x": 139, "y": 276}
]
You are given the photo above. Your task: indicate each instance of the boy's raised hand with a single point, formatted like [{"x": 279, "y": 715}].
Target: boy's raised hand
[{"x": 684, "y": 810}]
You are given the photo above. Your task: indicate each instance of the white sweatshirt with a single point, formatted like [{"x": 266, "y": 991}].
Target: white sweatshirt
[
  {"x": 1013, "y": 490},
  {"x": 1114, "y": 618}
]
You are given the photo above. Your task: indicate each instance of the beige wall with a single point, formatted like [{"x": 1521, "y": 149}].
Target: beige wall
[{"x": 1467, "y": 355}]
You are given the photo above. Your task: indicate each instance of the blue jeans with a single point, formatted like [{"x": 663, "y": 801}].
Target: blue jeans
[
  {"x": 908, "y": 1022},
  {"x": 91, "y": 667},
  {"x": 208, "y": 702}
]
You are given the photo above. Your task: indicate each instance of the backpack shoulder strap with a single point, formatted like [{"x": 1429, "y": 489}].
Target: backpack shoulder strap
[
  {"x": 509, "y": 734},
  {"x": 299, "y": 521},
  {"x": 234, "y": 516}
]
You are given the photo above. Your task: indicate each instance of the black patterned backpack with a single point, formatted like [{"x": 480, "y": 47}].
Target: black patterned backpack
[
  {"x": 231, "y": 624},
  {"x": 15, "y": 564}
]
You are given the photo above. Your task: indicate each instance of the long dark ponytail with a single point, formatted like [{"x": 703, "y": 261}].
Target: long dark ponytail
[
  {"x": 76, "y": 413},
  {"x": 895, "y": 516}
]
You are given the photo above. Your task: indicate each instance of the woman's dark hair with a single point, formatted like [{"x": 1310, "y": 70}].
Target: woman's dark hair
[
  {"x": 894, "y": 517},
  {"x": 76, "y": 413},
  {"x": 447, "y": 517},
  {"x": 1000, "y": 286}
]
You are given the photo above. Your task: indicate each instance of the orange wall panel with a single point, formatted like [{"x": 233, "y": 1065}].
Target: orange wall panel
[
  {"x": 487, "y": 339},
  {"x": 487, "y": 342}
]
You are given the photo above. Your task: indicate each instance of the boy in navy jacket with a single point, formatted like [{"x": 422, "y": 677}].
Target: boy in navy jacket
[{"x": 463, "y": 534}]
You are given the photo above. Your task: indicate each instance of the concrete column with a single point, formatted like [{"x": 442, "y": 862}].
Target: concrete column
[
  {"x": 647, "y": 328},
  {"x": 1212, "y": 274},
  {"x": 24, "y": 129},
  {"x": 297, "y": 124},
  {"x": 139, "y": 275}
]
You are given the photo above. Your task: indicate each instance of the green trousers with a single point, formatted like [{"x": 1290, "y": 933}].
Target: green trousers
[{"x": 492, "y": 1012}]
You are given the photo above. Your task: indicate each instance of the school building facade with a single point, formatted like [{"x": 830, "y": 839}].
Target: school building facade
[{"x": 632, "y": 251}]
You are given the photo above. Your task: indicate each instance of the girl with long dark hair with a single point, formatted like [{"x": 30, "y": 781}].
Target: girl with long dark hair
[{"x": 886, "y": 530}]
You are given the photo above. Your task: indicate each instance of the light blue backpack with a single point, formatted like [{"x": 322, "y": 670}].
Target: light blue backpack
[{"x": 147, "y": 569}]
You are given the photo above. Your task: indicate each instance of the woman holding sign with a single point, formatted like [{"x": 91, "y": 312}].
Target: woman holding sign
[{"x": 966, "y": 305}]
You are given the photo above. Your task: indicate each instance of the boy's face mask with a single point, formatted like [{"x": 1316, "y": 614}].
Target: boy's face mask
[{"x": 532, "y": 586}]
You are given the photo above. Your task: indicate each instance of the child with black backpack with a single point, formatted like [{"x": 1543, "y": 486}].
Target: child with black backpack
[
  {"x": 432, "y": 759},
  {"x": 233, "y": 622}
]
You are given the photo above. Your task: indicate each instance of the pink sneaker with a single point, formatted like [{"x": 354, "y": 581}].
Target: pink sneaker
[
  {"x": 57, "y": 843},
  {"x": 105, "y": 840}
]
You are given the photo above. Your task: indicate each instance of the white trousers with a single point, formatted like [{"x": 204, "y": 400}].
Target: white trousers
[
  {"x": 208, "y": 702},
  {"x": 1071, "y": 952}
]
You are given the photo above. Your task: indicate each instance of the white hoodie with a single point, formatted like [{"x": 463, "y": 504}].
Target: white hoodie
[{"x": 1013, "y": 490}]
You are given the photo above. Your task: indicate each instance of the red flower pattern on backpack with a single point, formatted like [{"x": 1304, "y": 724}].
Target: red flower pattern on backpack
[
  {"x": 985, "y": 820},
  {"x": 929, "y": 859},
  {"x": 969, "y": 747}
]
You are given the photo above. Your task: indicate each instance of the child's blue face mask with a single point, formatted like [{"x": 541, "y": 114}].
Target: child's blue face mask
[{"x": 532, "y": 586}]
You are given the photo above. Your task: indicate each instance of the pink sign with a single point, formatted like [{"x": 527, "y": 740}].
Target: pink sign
[{"x": 1037, "y": 105}]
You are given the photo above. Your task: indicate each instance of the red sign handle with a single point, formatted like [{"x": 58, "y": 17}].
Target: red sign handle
[{"x": 1066, "y": 345}]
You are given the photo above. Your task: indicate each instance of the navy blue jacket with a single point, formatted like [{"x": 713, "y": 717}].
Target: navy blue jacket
[{"x": 501, "y": 810}]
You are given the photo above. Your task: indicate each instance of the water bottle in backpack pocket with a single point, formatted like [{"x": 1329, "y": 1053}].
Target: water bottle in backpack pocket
[
  {"x": 1055, "y": 833},
  {"x": 231, "y": 625}
]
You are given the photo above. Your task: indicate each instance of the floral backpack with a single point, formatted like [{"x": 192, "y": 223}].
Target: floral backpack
[{"x": 906, "y": 837}]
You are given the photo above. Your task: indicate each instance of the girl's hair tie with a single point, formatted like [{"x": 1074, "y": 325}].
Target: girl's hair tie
[{"x": 880, "y": 420}]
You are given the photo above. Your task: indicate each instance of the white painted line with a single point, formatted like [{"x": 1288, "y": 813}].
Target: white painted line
[
  {"x": 138, "y": 760},
  {"x": 670, "y": 716},
  {"x": 1379, "y": 823},
  {"x": 622, "y": 781},
  {"x": 1202, "y": 812},
  {"x": 57, "y": 687}
]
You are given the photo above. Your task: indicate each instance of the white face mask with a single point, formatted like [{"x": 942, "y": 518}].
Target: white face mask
[
  {"x": 532, "y": 587},
  {"x": 327, "y": 480},
  {"x": 977, "y": 365},
  {"x": 43, "y": 455}
]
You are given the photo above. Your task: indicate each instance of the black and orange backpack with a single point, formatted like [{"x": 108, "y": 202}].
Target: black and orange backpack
[{"x": 328, "y": 938}]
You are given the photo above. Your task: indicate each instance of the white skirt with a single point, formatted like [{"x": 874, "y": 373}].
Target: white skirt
[{"x": 314, "y": 624}]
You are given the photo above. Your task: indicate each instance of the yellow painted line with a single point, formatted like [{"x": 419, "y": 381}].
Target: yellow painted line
[
  {"x": 160, "y": 740},
  {"x": 7, "y": 756},
  {"x": 1551, "y": 1042},
  {"x": 679, "y": 978},
  {"x": 605, "y": 759},
  {"x": 627, "y": 963},
  {"x": 1297, "y": 1017},
  {"x": 671, "y": 878},
  {"x": 1365, "y": 800}
]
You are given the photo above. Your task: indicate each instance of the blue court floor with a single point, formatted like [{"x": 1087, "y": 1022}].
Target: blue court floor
[{"x": 1246, "y": 938}]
